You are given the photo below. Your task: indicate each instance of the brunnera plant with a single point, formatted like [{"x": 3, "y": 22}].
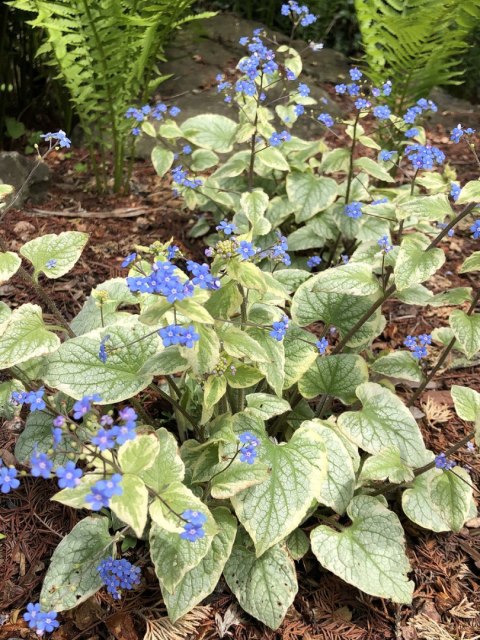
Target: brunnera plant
[{"x": 280, "y": 441}]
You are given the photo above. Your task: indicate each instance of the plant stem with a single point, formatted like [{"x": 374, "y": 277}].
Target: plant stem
[{"x": 176, "y": 405}]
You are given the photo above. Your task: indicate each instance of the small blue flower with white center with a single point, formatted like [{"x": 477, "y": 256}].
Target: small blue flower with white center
[
  {"x": 193, "y": 527},
  {"x": 202, "y": 276},
  {"x": 303, "y": 90},
  {"x": 57, "y": 435},
  {"x": 410, "y": 342},
  {"x": 385, "y": 155},
  {"x": 174, "y": 111},
  {"x": 102, "y": 491},
  {"x": 279, "y": 329},
  {"x": 248, "y": 449},
  {"x": 340, "y": 89},
  {"x": 442, "y": 462},
  {"x": 226, "y": 227},
  {"x": 83, "y": 406},
  {"x": 326, "y": 119},
  {"x": 41, "y": 465},
  {"x": 411, "y": 133},
  {"x": 128, "y": 260},
  {"x": 322, "y": 345},
  {"x": 68, "y": 476},
  {"x": 247, "y": 438},
  {"x": 51, "y": 264},
  {"x": 102, "y": 351},
  {"x": 412, "y": 114},
  {"x": 245, "y": 250},
  {"x": 187, "y": 149},
  {"x": 425, "y": 339},
  {"x": 118, "y": 574},
  {"x": 353, "y": 210},
  {"x": 387, "y": 88},
  {"x": 8, "y": 479},
  {"x": 18, "y": 397},
  {"x": 382, "y": 112},
  {"x": 455, "y": 190},
  {"x": 362, "y": 103},
  {"x": 135, "y": 131},
  {"x": 180, "y": 177},
  {"x": 104, "y": 439},
  {"x": 353, "y": 90},
  {"x": 41, "y": 621},
  {"x": 418, "y": 346},
  {"x": 384, "y": 244},
  {"x": 475, "y": 229},
  {"x": 59, "y": 139},
  {"x": 313, "y": 262},
  {"x": 299, "y": 110},
  {"x": 424, "y": 156},
  {"x": 458, "y": 132},
  {"x": 35, "y": 400},
  {"x": 355, "y": 74},
  {"x": 276, "y": 139},
  {"x": 419, "y": 352}
]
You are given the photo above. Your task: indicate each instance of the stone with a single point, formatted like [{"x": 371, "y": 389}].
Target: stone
[{"x": 15, "y": 169}]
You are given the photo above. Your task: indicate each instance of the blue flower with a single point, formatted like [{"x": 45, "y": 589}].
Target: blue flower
[
  {"x": 174, "y": 111},
  {"x": 248, "y": 455},
  {"x": 410, "y": 342},
  {"x": 313, "y": 262},
  {"x": 41, "y": 465},
  {"x": 353, "y": 90},
  {"x": 193, "y": 528},
  {"x": 35, "y": 400},
  {"x": 458, "y": 132},
  {"x": 303, "y": 90},
  {"x": 425, "y": 339},
  {"x": 411, "y": 133},
  {"x": 227, "y": 227},
  {"x": 424, "y": 157},
  {"x": 105, "y": 438},
  {"x": 187, "y": 149},
  {"x": 34, "y": 611},
  {"x": 353, "y": 210},
  {"x": 322, "y": 345},
  {"x": 83, "y": 406},
  {"x": 18, "y": 397},
  {"x": 382, "y": 112},
  {"x": 57, "y": 435},
  {"x": 355, "y": 74},
  {"x": 180, "y": 177},
  {"x": 341, "y": 88},
  {"x": 384, "y": 244},
  {"x": 418, "y": 346},
  {"x": 344, "y": 258},
  {"x": 387, "y": 88},
  {"x": 475, "y": 229},
  {"x": 249, "y": 439},
  {"x": 202, "y": 276},
  {"x": 51, "y": 264},
  {"x": 102, "y": 491},
  {"x": 195, "y": 517},
  {"x": 118, "y": 574},
  {"x": 279, "y": 329},
  {"x": 40, "y": 620},
  {"x": 136, "y": 131},
  {"x": 276, "y": 139},
  {"x": 412, "y": 114},
  {"x": 245, "y": 250},
  {"x": 102, "y": 351},
  {"x": 455, "y": 190},
  {"x": 8, "y": 479},
  {"x": 129, "y": 259},
  {"x": 299, "y": 110},
  {"x": 385, "y": 155},
  {"x": 68, "y": 476},
  {"x": 326, "y": 119},
  {"x": 362, "y": 103},
  {"x": 442, "y": 462},
  {"x": 59, "y": 138},
  {"x": 175, "y": 334}
]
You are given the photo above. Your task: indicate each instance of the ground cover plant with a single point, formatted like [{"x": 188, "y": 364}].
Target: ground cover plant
[{"x": 281, "y": 442}]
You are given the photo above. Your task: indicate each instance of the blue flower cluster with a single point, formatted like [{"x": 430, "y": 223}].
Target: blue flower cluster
[
  {"x": 249, "y": 447},
  {"x": 120, "y": 433},
  {"x": 314, "y": 261},
  {"x": 458, "y": 132},
  {"x": 40, "y": 620},
  {"x": 418, "y": 109},
  {"x": 278, "y": 252},
  {"x": 322, "y": 345},
  {"x": 326, "y": 119},
  {"x": 384, "y": 244},
  {"x": 455, "y": 190},
  {"x": 157, "y": 112},
  {"x": 382, "y": 112},
  {"x": 8, "y": 478},
  {"x": 386, "y": 155},
  {"x": 33, "y": 398},
  {"x": 424, "y": 156},
  {"x": 475, "y": 229},
  {"x": 202, "y": 276},
  {"x": 353, "y": 210},
  {"x": 102, "y": 491},
  {"x": 164, "y": 280},
  {"x": 180, "y": 177},
  {"x": 418, "y": 346},
  {"x": 176, "y": 334},
  {"x": 276, "y": 139},
  {"x": 118, "y": 574},
  {"x": 58, "y": 139},
  {"x": 299, "y": 13},
  {"x": 193, "y": 527},
  {"x": 442, "y": 462},
  {"x": 279, "y": 329}
]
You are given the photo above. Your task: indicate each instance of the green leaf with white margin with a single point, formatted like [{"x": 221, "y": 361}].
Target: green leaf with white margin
[
  {"x": 439, "y": 500},
  {"x": 5, "y": 312},
  {"x": 337, "y": 488},
  {"x": 266, "y": 405},
  {"x": 254, "y": 204},
  {"x": 414, "y": 263},
  {"x": 247, "y": 274},
  {"x": 310, "y": 193},
  {"x": 132, "y": 505},
  {"x": 236, "y": 478},
  {"x": 338, "y": 310},
  {"x": 452, "y": 297},
  {"x": 264, "y": 587},
  {"x": 386, "y": 465},
  {"x": 370, "y": 553},
  {"x": 37, "y": 434},
  {"x": 214, "y": 389},
  {"x": 273, "y": 159},
  {"x": 470, "y": 192},
  {"x": 75, "y": 498},
  {"x": 337, "y": 376},
  {"x": 203, "y": 159},
  {"x": 165, "y": 363},
  {"x": 373, "y": 169},
  {"x": 206, "y": 352},
  {"x": 24, "y": 335},
  {"x": 274, "y": 369},
  {"x": 352, "y": 279},
  {"x": 167, "y": 466},
  {"x": 291, "y": 278},
  {"x": 162, "y": 159},
  {"x": 72, "y": 576},
  {"x": 305, "y": 238},
  {"x": 298, "y": 543},
  {"x": 9, "y": 265},
  {"x": 243, "y": 377},
  {"x": 384, "y": 421},
  {"x": 194, "y": 311},
  {"x": 467, "y": 402},
  {"x": 65, "y": 248},
  {"x": 137, "y": 455},
  {"x": 432, "y": 208},
  {"x": 179, "y": 498},
  {"x": 273, "y": 509},
  {"x": 8, "y": 409},
  {"x": 336, "y": 160},
  {"x": 472, "y": 263},
  {"x": 77, "y": 370},
  {"x": 398, "y": 364},
  {"x": 466, "y": 329},
  {"x": 238, "y": 344},
  {"x": 300, "y": 353},
  {"x": 210, "y": 131},
  {"x": 199, "y": 582}
]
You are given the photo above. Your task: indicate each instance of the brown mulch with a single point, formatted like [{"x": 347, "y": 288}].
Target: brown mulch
[{"x": 446, "y": 567}]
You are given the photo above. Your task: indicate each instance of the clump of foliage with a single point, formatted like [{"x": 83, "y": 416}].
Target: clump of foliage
[
  {"x": 105, "y": 52},
  {"x": 287, "y": 435}
]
